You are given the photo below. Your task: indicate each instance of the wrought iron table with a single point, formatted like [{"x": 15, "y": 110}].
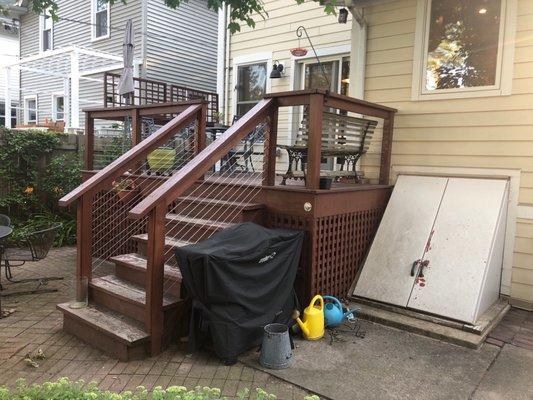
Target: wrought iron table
[{"x": 5, "y": 231}]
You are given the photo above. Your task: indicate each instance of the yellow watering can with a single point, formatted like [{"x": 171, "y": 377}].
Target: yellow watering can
[{"x": 313, "y": 324}]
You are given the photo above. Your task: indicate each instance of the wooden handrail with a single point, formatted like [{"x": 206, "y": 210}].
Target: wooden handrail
[
  {"x": 124, "y": 162},
  {"x": 203, "y": 162}
]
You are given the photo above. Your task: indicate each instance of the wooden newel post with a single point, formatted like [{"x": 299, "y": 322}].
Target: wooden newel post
[
  {"x": 84, "y": 238},
  {"x": 316, "y": 110},
  {"x": 154, "y": 316},
  {"x": 269, "y": 171},
  {"x": 386, "y": 149},
  {"x": 89, "y": 141}
]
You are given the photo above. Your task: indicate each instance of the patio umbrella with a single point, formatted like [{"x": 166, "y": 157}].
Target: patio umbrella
[{"x": 125, "y": 85}]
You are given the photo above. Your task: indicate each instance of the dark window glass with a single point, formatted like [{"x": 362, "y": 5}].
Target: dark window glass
[{"x": 251, "y": 86}]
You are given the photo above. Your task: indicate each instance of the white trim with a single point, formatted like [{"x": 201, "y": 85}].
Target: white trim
[
  {"x": 221, "y": 52},
  {"x": 93, "y": 22},
  {"x": 512, "y": 208},
  {"x": 41, "y": 28},
  {"x": 7, "y": 98},
  {"x": 358, "y": 59},
  {"x": 74, "y": 114},
  {"x": 54, "y": 106},
  {"x": 26, "y": 109},
  {"x": 248, "y": 59},
  {"x": 504, "y": 72}
]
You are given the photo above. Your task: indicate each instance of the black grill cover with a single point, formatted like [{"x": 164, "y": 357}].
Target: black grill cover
[{"x": 240, "y": 280}]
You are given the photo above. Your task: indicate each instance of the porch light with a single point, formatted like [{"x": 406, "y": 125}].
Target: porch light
[
  {"x": 343, "y": 16},
  {"x": 482, "y": 11},
  {"x": 277, "y": 69}
]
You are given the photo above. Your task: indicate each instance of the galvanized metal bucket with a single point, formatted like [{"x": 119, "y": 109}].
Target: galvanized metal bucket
[{"x": 276, "y": 352}]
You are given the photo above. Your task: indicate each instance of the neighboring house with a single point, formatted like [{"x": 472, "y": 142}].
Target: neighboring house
[
  {"x": 62, "y": 62},
  {"x": 459, "y": 72},
  {"x": 9, "y": 52}
]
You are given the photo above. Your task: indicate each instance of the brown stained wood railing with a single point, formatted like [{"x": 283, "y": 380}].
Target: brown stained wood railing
[
  {"x": 203, "y": 162},
  {"x": 135, "y": 154}
]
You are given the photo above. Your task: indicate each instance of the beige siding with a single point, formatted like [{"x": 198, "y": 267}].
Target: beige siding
[{"x": 489, "y": 132}]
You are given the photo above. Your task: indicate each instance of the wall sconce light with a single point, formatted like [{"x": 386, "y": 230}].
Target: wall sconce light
[
  {"x": 277, "y": 69},
  {"x": 343, "y": 16}
]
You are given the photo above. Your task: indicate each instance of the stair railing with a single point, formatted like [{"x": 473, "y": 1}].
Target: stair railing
[
  {"x": 156, "y": 205},
  {"x": 193, "y": 112}
]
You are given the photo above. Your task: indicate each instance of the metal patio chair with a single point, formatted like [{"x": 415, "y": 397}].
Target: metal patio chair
[
  {"x": 38, "y": 244},
  {"x": 5, "y": 220}
]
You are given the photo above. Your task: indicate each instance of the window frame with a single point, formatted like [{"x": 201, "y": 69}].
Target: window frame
[
  {"x": 339, "y": 58},
  {"x": 41, "y": 32},
  {"x": 95, "y": 38},
  {"x": 54, "y": 106},
  {"x": 26, "y": 110},
  {"x": 242, "y": 61},
  {"x": 505, "y": 60}
]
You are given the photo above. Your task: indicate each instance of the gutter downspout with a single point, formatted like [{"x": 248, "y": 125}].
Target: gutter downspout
[
  {"x": 358, "y": 53},
  {"x": 227, "y": 69},
  {"x": 221, "y": 58},
  {"x": 144, "y": 38}
]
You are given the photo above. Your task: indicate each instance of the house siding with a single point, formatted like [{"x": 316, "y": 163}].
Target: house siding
[
  {"x": 277, "y": 35},
  {"x": 65, "y": 33},
  {"x": 181, "y": 44},
  {"x": 486, "y": 132}
]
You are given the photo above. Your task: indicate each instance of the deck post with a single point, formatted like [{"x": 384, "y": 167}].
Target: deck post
[
  {"x": 89, "y": 141},
  {"x": 154, "y": 316},
  {"x": 316, "y": 109},
  {"x": 202, "y": 119},
  {"x": 269, "y": 171},
  {"x": 386, "y": 149},
  {"x": 84, "y": 236},
  {"x": 136, "y": 127}
]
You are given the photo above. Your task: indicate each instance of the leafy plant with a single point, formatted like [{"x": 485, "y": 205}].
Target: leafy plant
[{"x": 68, "y": 390}]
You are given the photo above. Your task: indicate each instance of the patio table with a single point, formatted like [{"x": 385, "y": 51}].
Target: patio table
[{"x": 5, "y": 231}]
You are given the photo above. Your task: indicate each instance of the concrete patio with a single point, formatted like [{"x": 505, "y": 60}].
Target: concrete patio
[{"x": 385, "y": 364}]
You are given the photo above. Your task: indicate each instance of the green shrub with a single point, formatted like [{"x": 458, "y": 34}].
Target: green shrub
[{"x": 64, "y": 389}]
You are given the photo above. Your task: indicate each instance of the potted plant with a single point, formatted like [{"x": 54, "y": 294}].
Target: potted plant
[{"x": 125, "y": 189}]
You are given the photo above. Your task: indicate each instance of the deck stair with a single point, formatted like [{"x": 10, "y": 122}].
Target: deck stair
[{"x": 114, "y": 320}]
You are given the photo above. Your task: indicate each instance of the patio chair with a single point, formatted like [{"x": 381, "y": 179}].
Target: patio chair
[
  {"x": 5, "y": 220},
  {"x": 38, "y": 244}
]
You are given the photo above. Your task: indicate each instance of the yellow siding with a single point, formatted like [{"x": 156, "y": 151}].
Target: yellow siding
[
  {"x": 487, "y": 132},
  {"x": 491, "y": 132}
]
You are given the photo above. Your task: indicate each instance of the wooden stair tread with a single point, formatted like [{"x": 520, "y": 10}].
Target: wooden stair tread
[
  {"x": 120, "y": 327},
  {"x": 127, "y": 290},
  {"x": 198, "y": 221},
  {"x": 140, "y": 262},
  {"x": 206, "y": 200},
  {"x": 169, "y": 241}
]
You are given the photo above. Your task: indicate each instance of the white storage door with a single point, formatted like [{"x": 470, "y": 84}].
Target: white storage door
[
  {"x": 401, "y": 239},
  {"x": 463, "y": 239}
]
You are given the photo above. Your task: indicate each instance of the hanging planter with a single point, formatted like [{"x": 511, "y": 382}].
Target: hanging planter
[
  {"x": 298, "y": 52},
  {"x": 125, "y": 190}
]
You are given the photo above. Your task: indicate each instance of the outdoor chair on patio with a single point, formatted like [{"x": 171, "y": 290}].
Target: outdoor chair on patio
[
  {"x": 37, "y": 246},
  {"x": 5, "y": 220}
]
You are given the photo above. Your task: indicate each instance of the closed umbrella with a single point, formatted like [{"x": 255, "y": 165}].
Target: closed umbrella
[{"x": 125, "y": 85}]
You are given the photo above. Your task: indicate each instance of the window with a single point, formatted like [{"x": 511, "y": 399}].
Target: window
[
  {"x": 462, "y": 47},
  {"x": 331, "y": 75},
  {"x": 3, "y": 114},
  {"x": 251, "y": 86},
  {"x": 46, "y": 31},
  {"x": 30, "y": 110},
  {"x": 100, "y": 19},
  {"x": 58, "y": 107}
]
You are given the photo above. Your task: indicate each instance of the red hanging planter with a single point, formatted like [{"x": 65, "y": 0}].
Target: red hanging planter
[{"x": 298, "y": 52}]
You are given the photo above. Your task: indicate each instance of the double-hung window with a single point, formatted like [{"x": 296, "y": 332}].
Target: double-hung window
[
  {"x": 30, "y": 110},
  {"x": 100, "y": 19},
  {"x": 251, "y": 86},
  {"x": 463, "y": 48},
  {"x": 332, "y": 74},
  {"x": 46, "y": 32},
  {"x": 58, "y": 107}
]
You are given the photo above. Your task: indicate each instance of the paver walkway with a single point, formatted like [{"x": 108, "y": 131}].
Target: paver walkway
[{"x": 36, "y": 324}]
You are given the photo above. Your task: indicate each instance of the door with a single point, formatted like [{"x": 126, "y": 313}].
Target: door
[
  {"x": 458, "y": 256},
  {"x": 401, "y": 239}
]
